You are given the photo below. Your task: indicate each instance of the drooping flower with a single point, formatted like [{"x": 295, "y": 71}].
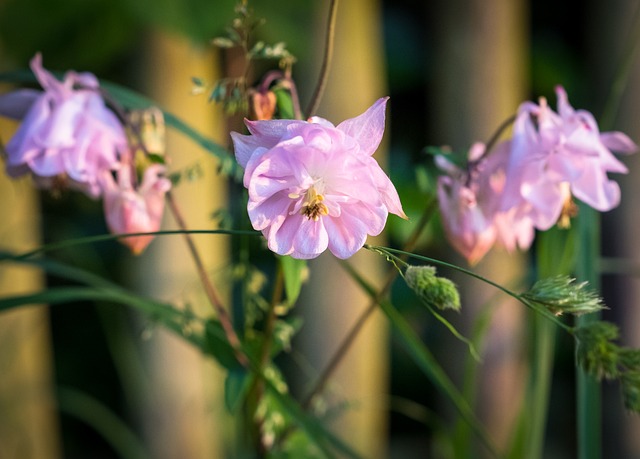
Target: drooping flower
[
  {"x": 67, "y": 131},
  {"x": 314, "y": 186},
  {"x": 559, "y": 155},
  {"x": 470, "y": 204},
  {"x": 132, "y": 208}
]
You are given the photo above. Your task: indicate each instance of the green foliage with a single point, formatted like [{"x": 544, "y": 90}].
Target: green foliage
[
  {"x": 599, "y": 356},
  {"x": 630, "y": 381},
  {"x": 595, "y": 351},
  {"x": 295, "y": 272},
  {"x": 69, "y": 33}
]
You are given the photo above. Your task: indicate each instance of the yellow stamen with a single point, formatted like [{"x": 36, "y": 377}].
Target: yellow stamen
[{"x": 313, "y": 207}]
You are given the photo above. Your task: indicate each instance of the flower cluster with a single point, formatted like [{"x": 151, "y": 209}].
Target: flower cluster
[
  {"x": 313, "y": 185},
  {"x": 69, "y": 136},
  {"x": 528, "y": 182}
]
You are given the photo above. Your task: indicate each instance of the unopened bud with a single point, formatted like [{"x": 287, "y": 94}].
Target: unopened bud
[
  {"x": 262, "y": 105},
  {"x": 436, "y": 291}
]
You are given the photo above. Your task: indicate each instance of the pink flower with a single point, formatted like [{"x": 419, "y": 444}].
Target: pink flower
[
  {"x": 556, "y": 155},
  {"x": 470, "y": 204},
  {"x": 134, "y": 209},
  {"x": 314, "y": 186},
  {"x": 66, "y": 130}
]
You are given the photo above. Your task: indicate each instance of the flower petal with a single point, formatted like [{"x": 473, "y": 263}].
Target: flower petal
[{"x": 367, "y": 128}]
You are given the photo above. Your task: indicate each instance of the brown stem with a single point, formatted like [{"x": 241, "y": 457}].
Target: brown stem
[
  {"x": 355, "y": 330},
  {"x": 493, "y": 140},
  {"x": 326, "y": 63},
  {"x": 210, "y": 290}
]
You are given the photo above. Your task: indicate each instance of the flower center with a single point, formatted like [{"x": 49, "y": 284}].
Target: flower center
[
  {"x": 569, "y": 208},
  {"x": 312, "y": 207}
]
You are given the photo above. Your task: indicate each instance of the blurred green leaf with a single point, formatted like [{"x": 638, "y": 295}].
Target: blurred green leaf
[
  {"x": 100, "y": 417},
  {"x": 425, "y": 361},
  {"x": 236, "y": 385},
  {"x": 293, "y": 271},
  {"x": 284, "y": 103}
]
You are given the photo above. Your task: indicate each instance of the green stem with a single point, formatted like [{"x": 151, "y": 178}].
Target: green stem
[
  {"x": 588, "y": 389},
  {"x": 257, "y": 391},
  {"x": 355, "y": 330},
  {"x": 549, "y": 316},
  {"x": 589, "y": 402},
  {"x": 110, "y": 237},
  {"x": 209, "y": 288}
]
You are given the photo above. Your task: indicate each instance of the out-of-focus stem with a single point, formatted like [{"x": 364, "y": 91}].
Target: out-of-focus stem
[
  {"x": 326, "y": 63},
  {"x": 209, "y": 288}
]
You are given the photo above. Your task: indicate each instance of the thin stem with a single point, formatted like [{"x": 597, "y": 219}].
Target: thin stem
[
  {"x": 589, "y": 400},
  {"x": 623, "y": 74},
  {"x": 362, "y": 319},
  {"x": 524, "y": 301},
  {"x": 257, "y": 390},
  {"x": 493, "y": 140},
  {"x": 326, "y": 63},
  {"x": 210, "y": 290}
]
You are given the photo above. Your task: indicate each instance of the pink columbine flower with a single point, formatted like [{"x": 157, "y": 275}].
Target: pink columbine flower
[
  {"x": 134, "y": 209},
  {"x": 559, "y": 155},
  {"x": 66, "y": 130},
  {"x": 470, "y": 204},
  {"x": 314, "y": 186}
]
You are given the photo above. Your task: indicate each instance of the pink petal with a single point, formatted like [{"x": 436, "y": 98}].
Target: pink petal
[
  {"x": 16, "y": 104},
  {"x": 367, "y": 128},
  {"x": 347, "y": 235},
  {"x": 269, "y": 132},
  {"x": 618, "y": 142}
]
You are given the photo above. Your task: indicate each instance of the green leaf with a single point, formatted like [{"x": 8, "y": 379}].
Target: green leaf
[
  {"x": 425, "y": 361},
  {"x": 98, "y": 416},
  {"x": 218, "y": 347},
  {"x": 284, "y": 103},
  {"x": 294, "y": 272},
  {"x": 236, "y": 386}
]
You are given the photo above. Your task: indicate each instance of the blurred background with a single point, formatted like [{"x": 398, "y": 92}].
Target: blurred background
[{"x": 96, "y": 381}]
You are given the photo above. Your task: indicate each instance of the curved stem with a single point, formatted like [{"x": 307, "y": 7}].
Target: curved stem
[
  {"x": 493, "y": 140},
  {"x": 326, "y": 63},
  {"x": 210, "y": 290},
  {"x": 520, "y": 298}
]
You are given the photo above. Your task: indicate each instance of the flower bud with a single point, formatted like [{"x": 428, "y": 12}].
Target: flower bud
[
  {"x": 262, "y": 105},
  {"x": 433, "y": 290}
]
